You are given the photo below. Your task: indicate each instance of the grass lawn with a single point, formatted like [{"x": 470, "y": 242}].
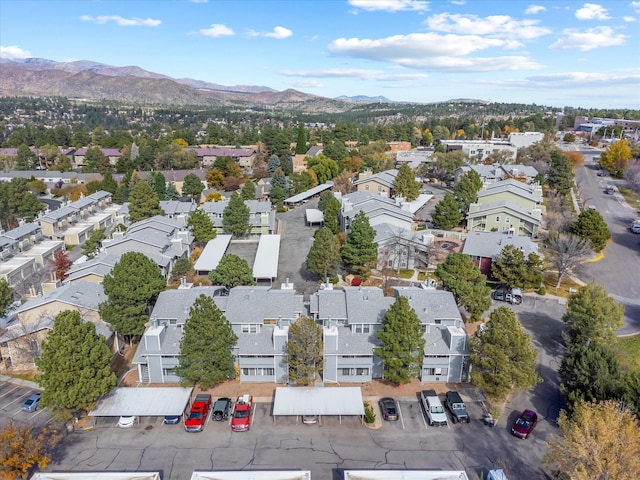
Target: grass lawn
[
  {"x": 25, "y": 376},
  {"x": 628, "y": 351},
  {"x": 631, "y": 196},
  {"x": 550, "y": 280}
]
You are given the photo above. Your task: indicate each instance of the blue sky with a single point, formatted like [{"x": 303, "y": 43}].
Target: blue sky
[{"x": 559, "y": 53}]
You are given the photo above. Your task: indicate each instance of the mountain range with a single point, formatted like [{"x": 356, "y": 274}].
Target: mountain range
[{"x": 131, "y": 84}]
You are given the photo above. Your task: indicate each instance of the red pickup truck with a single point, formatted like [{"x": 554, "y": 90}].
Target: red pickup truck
[
  {"x": 241, "y": 420},
  {"x": 198, "y": 413}
]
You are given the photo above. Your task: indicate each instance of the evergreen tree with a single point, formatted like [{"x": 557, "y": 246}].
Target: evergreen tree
[
  {"x": 405, "y": 184},
  {"x": 512, "y": 269},
  {"x": 324, "y": 255},
  {"x": 301, "y": 142},
  {"x": 132, "y": 287},
  {"x": 325, "y": 198},
  {"x": 402, "y": 342},
  {"x": 95, "y": 161},
  {"x": 447, "y": 213},
  {"x": 560, "y": 177},
  {"x": 232, "y": 271},
  {"x": 206, "y": 358},
  {"x": 108, "y": 184},
  {"x": 235, "y": 217},
  {"x": 182, "y": 268},
  {"x": 6, "y": 296},
  {"x": 25, "y": 158},
  {"x": 502, "y": 356},
  {"x": 277, "y": 195},
  {"x": 92, "y": 244},
  {"x": 16, "y": 202},
  {"x": 248, "y": 190},
  {"x": 273, "y": 164},
  {"x": 462, "y": 277},
  {"x": 143, "y": 203},
  {"x": 192, "y": 187},
  {"x": 360, "y": 250},
  {"x": 305, "y": 351},
  {"x": 75, "y": 364},
  {"x": 279, "y": 179},
  {"x": 201, "y": 226},
  {"x": 158, "y": 183},
  {"x": 331, "y": 215},
  {"x": 592, "y": 227},
  {"x": 172, "y": 193},
  {"x": 466, "y": 190}
]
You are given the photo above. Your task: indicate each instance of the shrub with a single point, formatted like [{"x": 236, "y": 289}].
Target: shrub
[
  {"x": 369, "y": 414},
  {"x": 542, "y": 290}
]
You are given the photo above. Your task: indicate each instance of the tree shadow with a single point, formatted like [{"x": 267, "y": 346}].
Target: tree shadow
[{"x": 545, "y": 332}]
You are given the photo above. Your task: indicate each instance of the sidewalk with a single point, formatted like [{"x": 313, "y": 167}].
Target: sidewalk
[{"x": 19, "y": 381}]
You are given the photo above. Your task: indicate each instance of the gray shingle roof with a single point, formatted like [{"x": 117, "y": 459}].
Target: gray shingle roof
[
  {"x": 366, "y": 304},
  {"x": 22, "y": 231},
  {"x": 257, "y": 343},
  {"x": 175, "y": 304},
  {"x": 329, "y": 304},
  {"x": 254, "y": 304},
  {"x": 431, "y": 305},
  {"x": 80, "y": 294},
  {"x": 490, "y": 244}
]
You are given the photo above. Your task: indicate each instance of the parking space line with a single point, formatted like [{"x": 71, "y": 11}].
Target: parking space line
[
  {"x": 16, "y": 400},
  {"x": 38, "y": 412},
  {"x": 422, "y": 415},
  {"x": 7, "y": 393},
  {"x": 400, "y": 414}
]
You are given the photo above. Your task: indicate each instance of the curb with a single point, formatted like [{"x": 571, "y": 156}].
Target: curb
[{"x": 18, "y": 381}]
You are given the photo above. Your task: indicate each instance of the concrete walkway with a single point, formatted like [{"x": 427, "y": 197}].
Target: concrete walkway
[{"x": 19, "y": 381}]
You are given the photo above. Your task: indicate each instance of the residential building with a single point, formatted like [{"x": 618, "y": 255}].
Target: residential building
[
  {"x": 484, "y": 247},
  {"x": 401, "y": 248},
  {"x": 378, "y": 184},
  {"x": 496, "y": 172},
  {"x": 415, "y": 158},
  {"x": 246, "y": 158},
  {"x": 504, "y": 216},
  {"x": 378, "y": 209},
  {"x": 527, "y": 196},
  {"x": 525, "y": 139},
  {"x": 262, "y": 217},
  {"x": 478, "y": 151}
]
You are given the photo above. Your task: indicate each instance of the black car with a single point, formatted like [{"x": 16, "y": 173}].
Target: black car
[
  {"x": 453, "y": 401},
  {"x": 610, "y": 191},
  {"x": 221, "y": 409},
  {"x": 389, "y": 409}
]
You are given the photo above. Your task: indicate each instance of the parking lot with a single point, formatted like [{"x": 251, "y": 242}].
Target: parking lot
[{"x": 12, "y": 396}]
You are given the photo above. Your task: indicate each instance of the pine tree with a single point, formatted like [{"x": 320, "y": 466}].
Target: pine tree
[
  {"x": 231, "y": 272},
  {"x": 301, "y": 142},
  {"x": 6, "y": 296},
  {"x": 305, "y": 351},
  {"x": 132, "y": 287},
  {"x": 92, "y": 244},
  {"x": 360, "y": 250},
  {"x": 592, "y": 227},
  {"x": 462, "y": 277},
  {"x": 466, "y": 190},
  {"x": 560, "y": 176},
  {"x": 331, "y": 215},
  {"x": 143, "y": 202},
  {"x": 405, "y": 184},
  {"x": 510, "y": 268},
  {"x": 75, "y": 364},
  {"x": 206, "y": 358},
  {"x": 447, "y": 213},
  {"x": 402, "y": 350},
  {"x": 192, "y": 187},
  {"x": 235, "y": 217},
  {"x": 502, "y": 356},
  {"x": 324, "y": 255},
  {"x": 248, "y": 190},
  {"x": 273, "y": 164},
  {"x": 201, "y": 226}
]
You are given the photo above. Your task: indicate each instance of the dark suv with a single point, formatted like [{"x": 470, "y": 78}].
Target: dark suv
[
  {"x": 456, "y": 406},
  {"x": 221, "y": 409}
]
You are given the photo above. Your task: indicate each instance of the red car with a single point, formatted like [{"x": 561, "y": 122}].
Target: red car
[{"x": 525, "y": 424}]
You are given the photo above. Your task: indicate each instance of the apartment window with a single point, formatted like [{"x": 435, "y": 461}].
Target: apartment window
[
  {"x": 361, "y": 328},
  {"x": 269, "y": 321},
  {"x": 366, "y": 187},
  {"x": 507, "y": 220},
  {"x": 168, "y": 371},
  {"x": 379, "y": 188},
  {"x": 345, "y": 371},
  {"x": 173, "y": 321},
  {"x": 362, "y": 371},
  {"x": 258, "y": 372},
  {"x": 438, "y": 371},
  {"x": 251, "y": 328},
  {"x": 429, "y": 371},
  {"x": 497, "y": 219}
]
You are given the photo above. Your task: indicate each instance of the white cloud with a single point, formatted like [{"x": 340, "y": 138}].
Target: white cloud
[
  {"x": 501, "y": 26},
  {"x": 390, "y": 5},
  {"x": 363, "y": 74},
  {"x": 306, "y": 84},
  {"x": 629, "y": 19},
  {"x": 121, "y": 21},
  {"x": 458, "y": 2},
  {"x": 588, "y": 40},
  {"x": 592, "y": 11},
  {"x": 13, "y": 51},
  {"x": 217, "y": 30},
  {"x": 199, "y": 1},
  {"x": 533, "y": 9},
  {"x": 636, "y": 6},
  {"x": 432, "y": 51},
  {"x": 279, "y": 33}
]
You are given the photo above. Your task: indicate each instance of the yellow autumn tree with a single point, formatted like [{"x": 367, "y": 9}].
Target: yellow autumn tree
[
  {"x": 616, "y": 157},
  {"x": 600, "y": 441},
  {"x": 22, "y": 448},
  {"x": 576, "y": 158}
]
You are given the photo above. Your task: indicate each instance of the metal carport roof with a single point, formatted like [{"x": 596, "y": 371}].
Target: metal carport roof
[
  {"x": 96, "y": 476},
  {"x": 254, "y": 475},
  {"x": 143, "y": 402},
  {"x": 318, "y": 401}
]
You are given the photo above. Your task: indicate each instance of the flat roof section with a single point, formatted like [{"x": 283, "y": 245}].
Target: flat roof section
[
  {"x": 143, "y": 402},
  {"x": 96, "y": 476},
  {"x": 318, "y": 401},
  {"x": 265, "y": 266},
  {"x": 254, "y": 475},
  {"x": 313, "y": 215},
  {"x": 405, "y": 475},
  {"x": 309, "y": 193},
  {"x": 212, "y": 254}
]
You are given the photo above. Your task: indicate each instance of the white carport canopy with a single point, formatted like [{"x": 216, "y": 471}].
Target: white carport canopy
[
  {"x": 143, "y": 402},
  {"x": 97, "y": 476},
  {"x": 405, "y": 475},
  {"x": 318, "y": 401},
  {"x": 253, "y": 475}
]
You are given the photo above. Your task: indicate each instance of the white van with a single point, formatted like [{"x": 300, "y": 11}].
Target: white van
[{"x": 433, "y": 408}]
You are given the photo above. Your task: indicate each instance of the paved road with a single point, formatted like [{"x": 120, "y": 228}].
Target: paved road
[
  {"x": 12, "y": 394},
  {"x": 619, "y": 270}
]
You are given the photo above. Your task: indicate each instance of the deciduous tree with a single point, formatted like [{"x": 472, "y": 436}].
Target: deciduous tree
[
  {"x": 405, "y": 184},
  {"x": 565, "y": 251},
  {"x": 462, "y": 277},
  {"x": 206, "y": 358},
  {"x": 402, "y": 349},
  {"x": 132, "y": 287},
  {"x": 616, "y": 157},
  {"x": 61, "y": 264},
  {"x": 143, "y": 202},
  {"x": 231, "y": 272},
  {"x": 75, "y": 365},
  {"x": 305, "y": 351},
  {"x": 324, "y": 255},
  {"x": 360, "y": 250},
  {"x": 447, "y": 213},
  {"x": 324, "y": 168},
  {"x": 600, "y": 440},
  {"x": 25, "y": 447},
  {"x": 235, "y": 217},
  {"x": 591, "y": 226},
  {"x": 502, "y": 356}
]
